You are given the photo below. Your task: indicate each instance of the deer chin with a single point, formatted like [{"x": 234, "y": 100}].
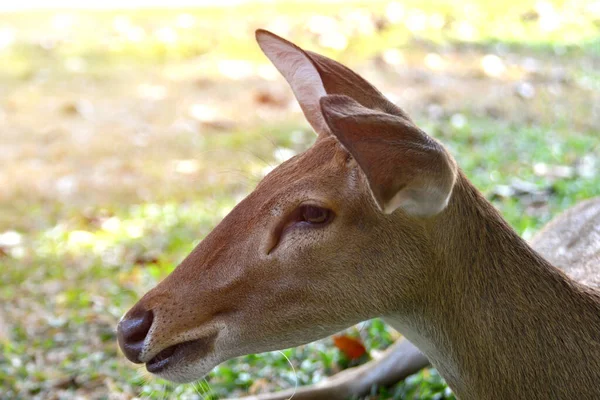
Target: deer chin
[{"x": 186, "y": 361}]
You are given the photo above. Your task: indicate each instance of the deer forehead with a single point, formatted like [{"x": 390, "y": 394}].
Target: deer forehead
[{"x": 309, "y": 176}]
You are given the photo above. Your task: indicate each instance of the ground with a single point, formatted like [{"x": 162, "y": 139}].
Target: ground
[{"x": 127, "y": 135}]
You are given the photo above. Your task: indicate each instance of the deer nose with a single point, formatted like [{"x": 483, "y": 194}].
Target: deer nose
[{"x": 132, "y": 331}]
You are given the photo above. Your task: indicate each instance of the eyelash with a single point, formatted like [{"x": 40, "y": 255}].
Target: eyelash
[{"x": 314, "y": 215}]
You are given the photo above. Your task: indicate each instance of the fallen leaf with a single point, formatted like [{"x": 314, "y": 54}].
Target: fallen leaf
[
  {"x": 351, "y": 347},
  {"x": 259, "y": 386},
  {"x": 267, "y": 98},
  {"x": 69, "y": 382},
  {"x": 554, "y": 171},
  {"x": 81, "y": 107},
  {"x": 525, "y": 90}
]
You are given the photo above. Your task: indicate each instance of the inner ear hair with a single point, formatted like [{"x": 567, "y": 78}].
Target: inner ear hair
[{"x": 406, "y": 169}]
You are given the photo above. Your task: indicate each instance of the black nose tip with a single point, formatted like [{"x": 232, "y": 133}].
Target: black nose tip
[{"x": 132, "y": 331}]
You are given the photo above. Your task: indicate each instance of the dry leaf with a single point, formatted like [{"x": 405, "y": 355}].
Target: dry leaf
[
  {"x": 259, "y": 386},
  {"x": 268, "y": 98},
  {"x": 351, "y": 347}
]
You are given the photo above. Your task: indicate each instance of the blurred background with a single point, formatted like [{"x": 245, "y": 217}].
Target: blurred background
[{"x": 130, "y": 128}]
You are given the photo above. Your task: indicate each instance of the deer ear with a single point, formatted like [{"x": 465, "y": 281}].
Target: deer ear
[
  {"x": 298, "y": 70},
  {"x": 313, "y": 76},
  {"x": 406, "y": 169}
]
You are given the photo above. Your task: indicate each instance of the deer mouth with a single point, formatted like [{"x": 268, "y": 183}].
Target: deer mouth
[{"x": 183, "y": 352}]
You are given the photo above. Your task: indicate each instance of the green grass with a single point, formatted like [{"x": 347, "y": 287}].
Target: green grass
[{"x": 78, "y": 261}]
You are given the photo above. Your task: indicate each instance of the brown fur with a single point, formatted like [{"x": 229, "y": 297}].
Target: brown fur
[
  {"x": 492, "y": 315},
  {"x": 504, "y": 322}
]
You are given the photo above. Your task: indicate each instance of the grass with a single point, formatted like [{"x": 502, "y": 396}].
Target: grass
[
  {"x": 109, "y": 39},
  {"x": 121, "y": 154}
]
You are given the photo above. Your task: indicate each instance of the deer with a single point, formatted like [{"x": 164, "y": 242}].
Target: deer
[{"x": 376, "y": 219}]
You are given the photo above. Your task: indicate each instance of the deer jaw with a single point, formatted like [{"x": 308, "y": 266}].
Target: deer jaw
[{"x": 250, "y": 287}]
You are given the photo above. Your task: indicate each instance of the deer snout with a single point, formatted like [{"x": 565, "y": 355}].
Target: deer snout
[{"x": 132, "y": 332}]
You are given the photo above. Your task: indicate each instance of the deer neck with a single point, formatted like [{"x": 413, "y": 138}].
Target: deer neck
[{"x": 496, "y": 318}]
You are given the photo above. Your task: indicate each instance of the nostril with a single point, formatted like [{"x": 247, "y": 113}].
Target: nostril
[
  {"x": 136, "y": 327},
  {"x": 132, "y": 332}
]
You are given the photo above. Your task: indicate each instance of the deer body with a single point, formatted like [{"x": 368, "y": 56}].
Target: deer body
[{"x": 375, "y": 219}]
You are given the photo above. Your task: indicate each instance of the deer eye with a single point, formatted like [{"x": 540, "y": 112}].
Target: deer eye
[
  {"x": 306, "y": 215},
  {"x": 315, "y": 215}
]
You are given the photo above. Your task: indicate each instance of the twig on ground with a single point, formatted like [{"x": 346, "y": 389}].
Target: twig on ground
[{"x": 395, "y": 364}]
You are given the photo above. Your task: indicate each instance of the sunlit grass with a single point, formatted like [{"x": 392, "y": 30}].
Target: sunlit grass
[{"x": 92, "y": 42}]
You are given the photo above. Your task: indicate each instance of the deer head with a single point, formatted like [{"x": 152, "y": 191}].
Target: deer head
[{"x": 333, "y": 236}]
